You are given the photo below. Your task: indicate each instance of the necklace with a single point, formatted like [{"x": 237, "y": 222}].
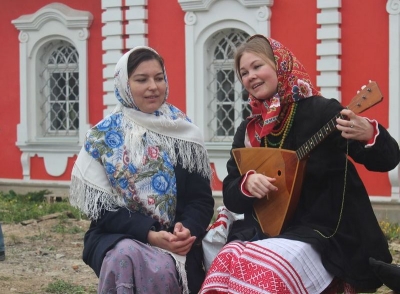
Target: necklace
[{"x": 283, "y": 131}]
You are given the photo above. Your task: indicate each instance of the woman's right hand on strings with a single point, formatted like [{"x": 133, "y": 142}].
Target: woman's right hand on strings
[{"x": 259, "y": 185}]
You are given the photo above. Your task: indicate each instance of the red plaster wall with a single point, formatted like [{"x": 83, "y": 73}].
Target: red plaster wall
[
  {"x": 295, "y": 27},
  {"x": 365, "y": 44}
]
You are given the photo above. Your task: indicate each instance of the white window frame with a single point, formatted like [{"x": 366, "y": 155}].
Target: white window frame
[{"x": 55, "y": 21}]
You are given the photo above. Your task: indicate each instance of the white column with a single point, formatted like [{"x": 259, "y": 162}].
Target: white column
[
  {"x": 119, "y": 38},
  {"x": 393, "y": 8},
  {"x": 112, "y": 45},
  {"x": 329, "y": 49},
  {"x": 136, "y": 29}
]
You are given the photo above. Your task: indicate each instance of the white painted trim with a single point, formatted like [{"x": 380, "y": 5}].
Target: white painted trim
[
  {"x": 393, "y": 8},
  {"x": 332, "y": 47},
  {"x": 39, "y": 183},
  {"x": 326, "y": 4},
  {"x": 114, "y": 45},
  {"x": 329, "y": 48},
  {"x": 329, "y": 63},
  {"x": 380, "y": 199},
  {"x": 328, "y": 79},
  {"x": 55, "y": 21},
  {"x": 329, "y": 17},
  {"x": 203, "y": 5}
]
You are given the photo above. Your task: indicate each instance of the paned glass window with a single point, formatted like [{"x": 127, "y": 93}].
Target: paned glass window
[
  {"x": 228, "y": 104},
  {"x": 60, "y": 90}
]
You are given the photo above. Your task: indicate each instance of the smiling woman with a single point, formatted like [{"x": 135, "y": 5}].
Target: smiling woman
[{"x": 143, "y": 178}]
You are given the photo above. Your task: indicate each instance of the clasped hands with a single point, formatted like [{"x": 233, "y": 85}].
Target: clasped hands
[{"x": 179, "y": 242}]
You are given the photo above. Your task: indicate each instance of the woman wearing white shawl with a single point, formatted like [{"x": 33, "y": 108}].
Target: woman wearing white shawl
[{"x": 143, "y": 178}]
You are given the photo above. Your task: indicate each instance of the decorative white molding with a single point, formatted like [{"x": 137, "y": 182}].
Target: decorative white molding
[
  {"x": 329, "y": 48},
  {"x": 114, "y": 43},
  {"x": 53, "y": 22},
  {"x": 323, "y": 4},
  {"x": 70, "y": 18},
  {"x": 52, "y": 169},
  {"x": 329, "y": 17},
  {"x": 263, "y": 14},
  {"x": 202, "y": 5},
  {"x": 203, "y": 19},
  {"x": 393, "y": 8},
  {"x": 190, "y": 18}
]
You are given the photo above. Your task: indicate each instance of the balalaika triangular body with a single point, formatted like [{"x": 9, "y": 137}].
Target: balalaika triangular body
[{"x": 288, "y": 170}]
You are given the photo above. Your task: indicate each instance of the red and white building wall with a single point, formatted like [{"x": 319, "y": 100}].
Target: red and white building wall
[{"x": 343, "y": 45}]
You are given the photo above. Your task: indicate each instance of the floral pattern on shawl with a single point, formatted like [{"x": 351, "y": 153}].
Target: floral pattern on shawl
[{"x": 155, "y": 178}]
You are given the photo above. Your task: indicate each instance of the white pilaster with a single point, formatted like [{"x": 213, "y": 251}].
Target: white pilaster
[
  {"x": 393, "y": 8},
  {"x": 119, "y": 38},
  {"x": 329, "y": 48},
  {"x": 113, "y": 46}
]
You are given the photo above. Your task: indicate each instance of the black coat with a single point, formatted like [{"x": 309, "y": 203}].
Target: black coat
[
  {"x": 195, "y": 208},
  {"x": 359, "y": 236}
]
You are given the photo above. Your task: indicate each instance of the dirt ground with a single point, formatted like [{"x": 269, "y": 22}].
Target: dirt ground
[
  {"x": 36, "y": 255},
  {"x": 42, "y": 252}
]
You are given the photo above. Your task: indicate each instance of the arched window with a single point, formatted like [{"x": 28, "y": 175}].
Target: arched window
[
  {"x": 59, "y": 90},
  {"x": 228, "y": 104}
]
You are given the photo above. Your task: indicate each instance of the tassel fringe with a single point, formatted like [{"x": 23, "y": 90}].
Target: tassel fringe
[{"x": 91, "y": 200}]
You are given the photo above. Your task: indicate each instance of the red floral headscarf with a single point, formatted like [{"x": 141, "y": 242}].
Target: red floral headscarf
[{"x": 293, "y": 84}]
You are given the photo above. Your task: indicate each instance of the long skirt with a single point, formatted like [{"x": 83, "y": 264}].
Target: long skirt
[
  {"x": 267, "y": 266},
  {"x": 134, "y": 267}
]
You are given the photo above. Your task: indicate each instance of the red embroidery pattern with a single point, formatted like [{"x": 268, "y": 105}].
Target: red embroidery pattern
[{"x": 248, "y": 268}]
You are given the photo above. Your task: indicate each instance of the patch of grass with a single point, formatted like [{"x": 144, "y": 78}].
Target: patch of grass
[
  {"x": 19, "y": 207},
  {"x": 61, "y": 228},
  {"x": 2, "y": 278},
  {"x": 391, "y": 231},
  {"x": 14, "y": 239},
  {"x": 62, "y": 287}
]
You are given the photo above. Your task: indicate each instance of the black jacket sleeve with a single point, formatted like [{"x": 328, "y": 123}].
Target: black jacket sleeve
[
  {"x": 383, "y": 156},
  {"x": 124, "y": 221},
  {"x": 195, "y": 206}
]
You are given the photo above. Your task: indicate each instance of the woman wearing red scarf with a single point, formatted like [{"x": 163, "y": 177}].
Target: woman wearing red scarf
[{"x": 333, "y": 231}]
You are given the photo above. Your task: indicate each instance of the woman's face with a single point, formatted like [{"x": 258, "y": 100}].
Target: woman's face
[
  {"x": 148, "y": 86},
  {"x": 258, "y": 76}
]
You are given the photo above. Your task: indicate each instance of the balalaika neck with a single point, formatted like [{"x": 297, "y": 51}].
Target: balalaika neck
[{"x": 317, "y": 138}]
